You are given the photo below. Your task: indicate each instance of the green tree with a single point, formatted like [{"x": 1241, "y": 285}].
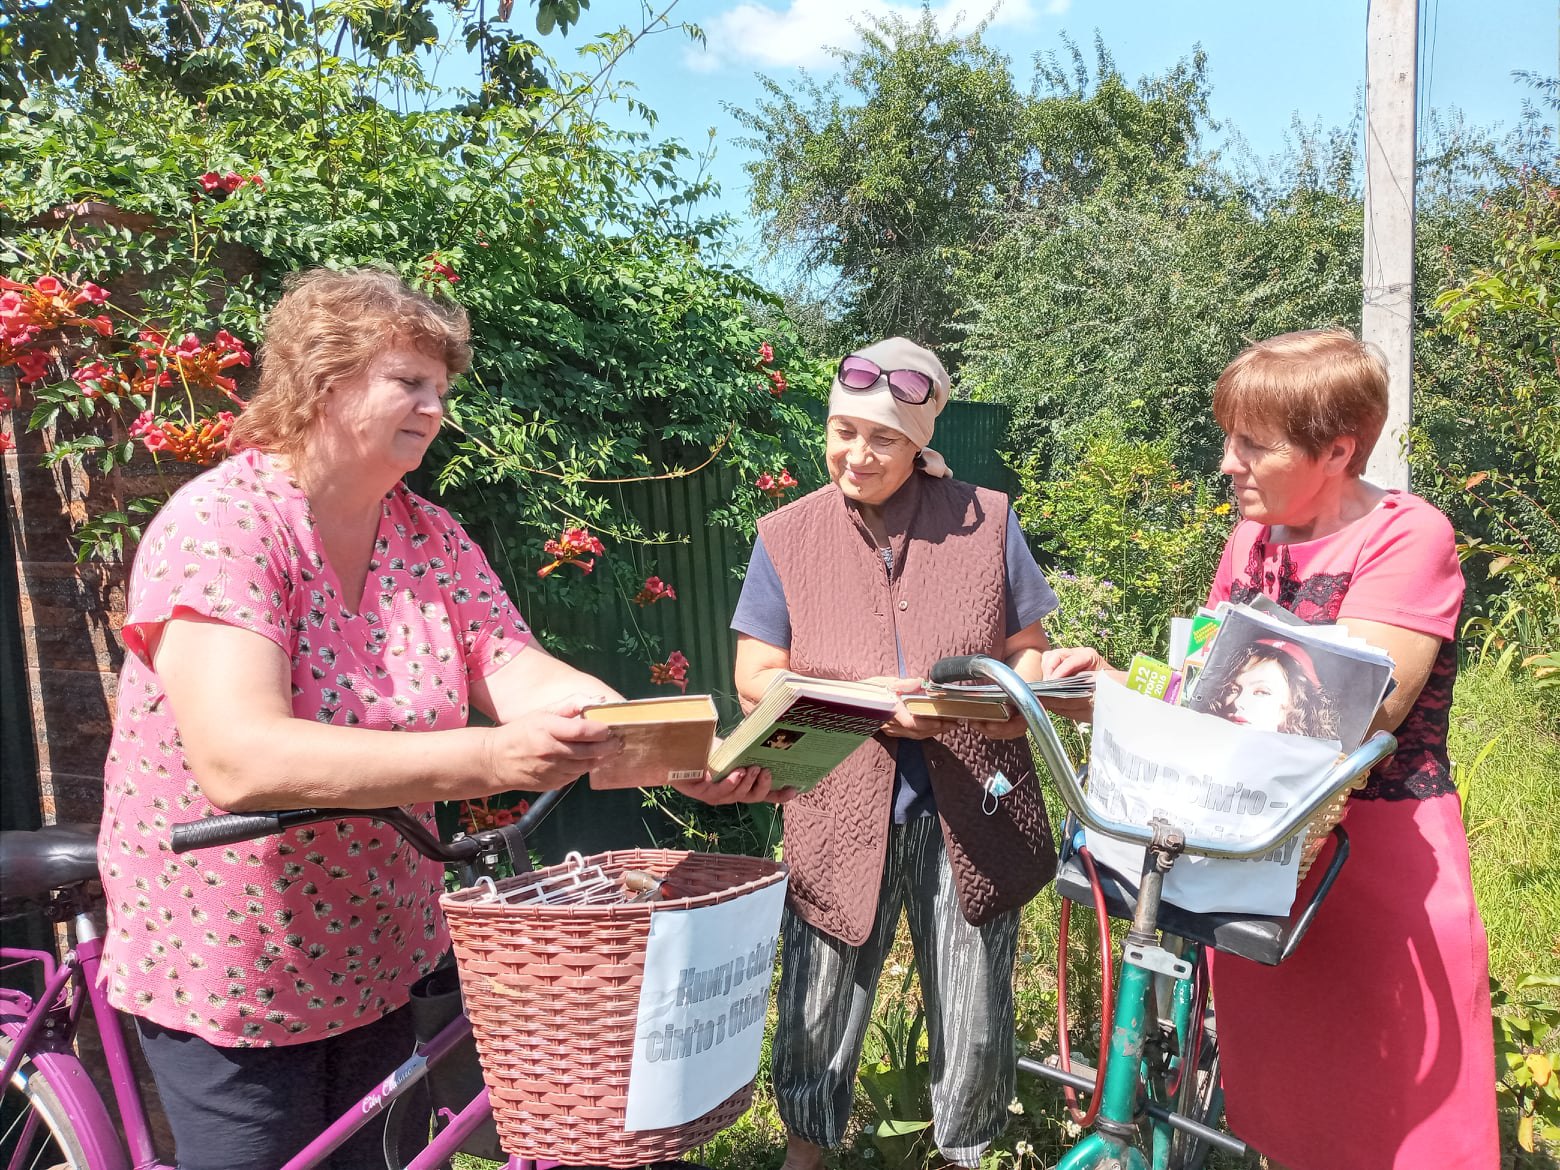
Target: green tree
[
  {"x": 192, "y": 44},
  {"x": 888, "y": 176},
  {"x": 612, "y": 343}
]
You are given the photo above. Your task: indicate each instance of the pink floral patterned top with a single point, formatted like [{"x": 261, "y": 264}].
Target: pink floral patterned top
[{"x": 291, "y": 938}]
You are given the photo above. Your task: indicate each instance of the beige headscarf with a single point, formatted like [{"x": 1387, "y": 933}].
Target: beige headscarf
[{"x": 878, "y": 404}]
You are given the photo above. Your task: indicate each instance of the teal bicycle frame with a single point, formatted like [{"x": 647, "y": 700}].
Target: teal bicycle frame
[{"x": 1111, "y": 1145}]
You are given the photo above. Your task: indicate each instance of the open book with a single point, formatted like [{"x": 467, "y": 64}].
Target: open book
[
  {"x": 803, "y": 728},
  {"x": 1315, "y": 680}
]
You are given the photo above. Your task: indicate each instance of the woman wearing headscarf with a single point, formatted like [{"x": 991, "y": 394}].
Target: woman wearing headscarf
[{"x": 876, "y": 576}]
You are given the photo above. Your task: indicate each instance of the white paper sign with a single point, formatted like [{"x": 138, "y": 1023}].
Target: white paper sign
[
  {"x": 1208, "y": 777},
  {"x": 702, "y": 1007}
]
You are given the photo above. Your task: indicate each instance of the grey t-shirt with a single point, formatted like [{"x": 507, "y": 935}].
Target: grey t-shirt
[{"x": 762, "y": 613}]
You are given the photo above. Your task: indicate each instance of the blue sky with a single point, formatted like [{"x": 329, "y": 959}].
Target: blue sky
[{"x": 1268, "y": 63}]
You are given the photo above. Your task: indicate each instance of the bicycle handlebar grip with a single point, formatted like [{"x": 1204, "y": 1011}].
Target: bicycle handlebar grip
[
  {"x": 224, "y": 830},
  {"x": 955, "y": 669}
]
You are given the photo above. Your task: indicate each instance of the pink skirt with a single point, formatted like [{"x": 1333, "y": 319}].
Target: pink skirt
[{"x": 1372, "y": 1047}]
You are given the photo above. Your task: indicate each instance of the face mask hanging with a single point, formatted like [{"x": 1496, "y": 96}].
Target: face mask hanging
[{"x": 996, "y": 786}]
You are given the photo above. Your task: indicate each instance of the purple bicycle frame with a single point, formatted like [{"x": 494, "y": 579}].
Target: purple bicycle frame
[{"x": 41, "y": 1031}]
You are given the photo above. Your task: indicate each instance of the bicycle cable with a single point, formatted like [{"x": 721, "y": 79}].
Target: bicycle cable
[{"x": 1085, "y": 1118}]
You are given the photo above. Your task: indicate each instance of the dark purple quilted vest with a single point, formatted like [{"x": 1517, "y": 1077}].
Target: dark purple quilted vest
[{"x": 946, "y": 596}]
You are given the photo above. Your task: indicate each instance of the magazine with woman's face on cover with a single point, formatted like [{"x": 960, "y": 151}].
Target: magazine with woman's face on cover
[{"x": 1273, "y": 676}]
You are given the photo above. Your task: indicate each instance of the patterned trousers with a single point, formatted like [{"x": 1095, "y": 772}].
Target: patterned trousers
[{"x": 966, "y": 975}]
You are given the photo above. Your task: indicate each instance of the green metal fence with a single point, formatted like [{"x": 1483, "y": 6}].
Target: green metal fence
[{"x": 705, "y": 567}]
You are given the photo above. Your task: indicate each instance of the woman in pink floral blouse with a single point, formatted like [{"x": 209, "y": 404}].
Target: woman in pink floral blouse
[{"x": 295, "y": 615}]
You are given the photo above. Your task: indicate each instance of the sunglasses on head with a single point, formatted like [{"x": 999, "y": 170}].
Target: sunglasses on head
[{"x": 859, "y": 373}]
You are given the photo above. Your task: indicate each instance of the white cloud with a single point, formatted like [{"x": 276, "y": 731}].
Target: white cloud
[{"x": 801, "y": 32}]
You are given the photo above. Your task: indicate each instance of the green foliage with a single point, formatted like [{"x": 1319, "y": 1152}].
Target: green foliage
[
  {"x": 1127, "y": 308},
  {"x": 612, "y": 344},
  {"x": 1527, "y": 1058},
  {"x": 1100, "y": 136},
  {"x": 896, "y": 1077},
  {"x": 192, "y": 46},
  {"x": 890, "y": 180},
  {"x": 1136, "y": 540},
  {"x": 1491, "y": 447}
]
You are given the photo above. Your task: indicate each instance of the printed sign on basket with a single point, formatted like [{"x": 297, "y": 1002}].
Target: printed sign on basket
[
  {"x": 702, "y": 1007},
  {"x": 1208, "y": 777}
]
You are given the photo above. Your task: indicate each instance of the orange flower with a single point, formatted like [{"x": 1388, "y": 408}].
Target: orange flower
[
  {"x": 654, "y": 590},
  {"x": 672, "y": 672},
  {"x": 569, "y": 549}
]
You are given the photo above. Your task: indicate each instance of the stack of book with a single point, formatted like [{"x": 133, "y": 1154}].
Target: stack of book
[{"x": 1260, "y": 665}]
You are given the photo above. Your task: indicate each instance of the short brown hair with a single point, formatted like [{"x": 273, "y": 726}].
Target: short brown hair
[
  {"x": 326, "y": 328},
  {"x": 1315, "y": 386}
]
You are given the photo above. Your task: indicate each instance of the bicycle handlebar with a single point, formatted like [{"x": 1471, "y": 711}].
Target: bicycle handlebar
[
  {"x": 1339, "y": 777},
  {"x": 231, "y": 828}
]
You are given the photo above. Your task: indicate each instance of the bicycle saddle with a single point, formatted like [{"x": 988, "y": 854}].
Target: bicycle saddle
[{"x": 33, "y": 863}]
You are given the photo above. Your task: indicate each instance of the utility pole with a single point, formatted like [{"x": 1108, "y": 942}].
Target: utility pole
[{"x": 1387, "y": 313}]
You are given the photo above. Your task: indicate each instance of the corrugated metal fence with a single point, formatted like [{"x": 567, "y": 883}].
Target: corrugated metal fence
[
  {"x": 586, "y": 618},
  {"x": 705, "y": 566}
]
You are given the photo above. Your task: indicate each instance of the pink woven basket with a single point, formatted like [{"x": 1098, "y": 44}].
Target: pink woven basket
[{"x": 552, "y": 992}]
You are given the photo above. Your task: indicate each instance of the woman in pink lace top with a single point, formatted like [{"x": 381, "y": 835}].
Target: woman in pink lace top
[
  {"x": 304, "y": 631},
  {"x": 1371, "y": 1048}
]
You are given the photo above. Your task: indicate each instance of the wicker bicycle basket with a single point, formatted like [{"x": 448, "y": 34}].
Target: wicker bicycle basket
[
  {"x": 552, "y": 991},
  {"x": 1322, "y": 822}
]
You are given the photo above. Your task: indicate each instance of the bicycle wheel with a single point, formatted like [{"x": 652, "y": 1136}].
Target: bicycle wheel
[
  {"x": 1199, "y": 1096},
  {"x": 35, "y": 1131}
]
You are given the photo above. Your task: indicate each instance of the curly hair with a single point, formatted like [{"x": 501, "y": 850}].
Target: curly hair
[
  {"x": 1311, "y": 712},
  {"x": 326, "y": 328}
]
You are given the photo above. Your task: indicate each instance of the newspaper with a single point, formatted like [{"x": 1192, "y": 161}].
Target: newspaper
[{"x": 1209, "y": 778}]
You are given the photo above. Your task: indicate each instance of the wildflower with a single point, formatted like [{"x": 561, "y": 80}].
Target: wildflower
[
  {"x": 777, "y": 383},
  {"x": 569, "y": 549},
  {"x": 775, "y": 486},
  {"x": 654, "y": 590},
  {"x": 212, "y": 182},
  {"x": 672, "y": 672},
  {"x": 434, "y": 268},
  {"x": 32, "y": 365},
  {"x": 98, "y": 379},
  {"x": 1015, "y": 1107},
  {"x": 27, "y": 311},
  {"x": 1022, "y": 1148},
  {"x": 203, "y": 441},
  {"x": 1222, "y": 510},
  {"x": 766, "y": 353},
  {"x": 198, "y": 364}
]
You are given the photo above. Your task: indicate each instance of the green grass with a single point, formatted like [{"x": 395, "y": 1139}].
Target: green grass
[{"x": 1513, "y": 815}]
